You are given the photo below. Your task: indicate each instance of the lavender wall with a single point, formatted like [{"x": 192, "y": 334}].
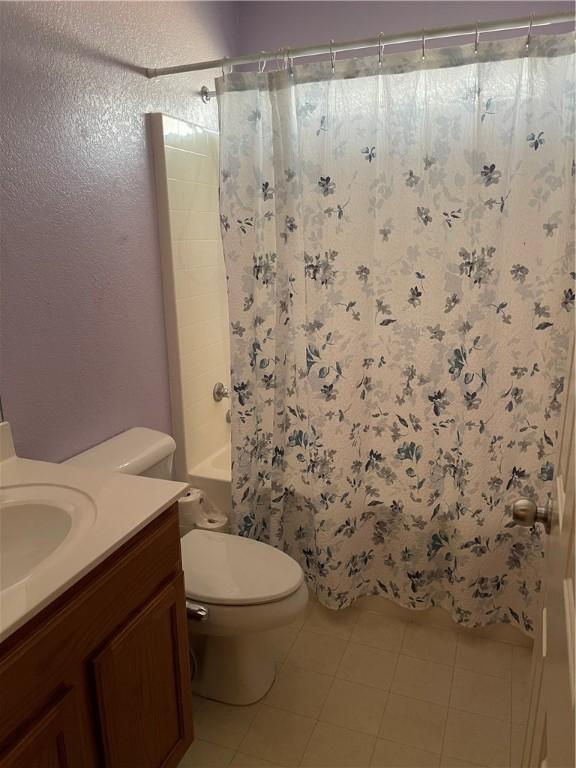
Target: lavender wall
[
  {"x": 83, "y": 345},
  {"x": 83, "y": 352},
  {"x": 272, "y": 25}
]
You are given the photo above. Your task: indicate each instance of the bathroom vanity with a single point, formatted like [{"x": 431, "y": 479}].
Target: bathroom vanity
[{"x": 94, "y": 652}]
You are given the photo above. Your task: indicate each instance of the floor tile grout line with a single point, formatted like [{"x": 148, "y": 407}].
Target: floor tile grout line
[
  {"x": 316, "y": 719},
  {"x": 290, "y": 646},
  {"x": 475, "y": 671},
  {"x": 334, "y": 678},
  {"x": 388, "y": 692},
  {"x": 481, "y": 674},
  {"x": 348, "y": 640},
  {"x": 457, "y": 709},
  {"x": 261, "y": 702},
  {"x": 481, "y": 714},
  {"x": 402, "y": 652},
  {"x": 343, "y": 728},
  {"x": 511, "y": 699},
  {"x": 442, "y": 744},
  {"x": 308, "y": 612}
]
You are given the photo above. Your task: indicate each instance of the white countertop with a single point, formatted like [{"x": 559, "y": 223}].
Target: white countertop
[{"x": 117, "y": 507}]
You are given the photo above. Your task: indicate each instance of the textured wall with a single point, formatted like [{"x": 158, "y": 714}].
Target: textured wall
[
  {"x": 83, "y": 345},
  {"x": 83, "y": 352},
  {"x": 271, "y": 25}
]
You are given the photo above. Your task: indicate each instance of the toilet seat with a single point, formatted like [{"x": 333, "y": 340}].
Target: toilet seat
[{"x": 223, "y": 569}]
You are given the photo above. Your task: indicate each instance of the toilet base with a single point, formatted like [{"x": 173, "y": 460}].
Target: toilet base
[{"x": 238, "y": 669}]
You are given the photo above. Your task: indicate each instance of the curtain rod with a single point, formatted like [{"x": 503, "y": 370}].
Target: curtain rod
[{"x": 371, "y": 42}]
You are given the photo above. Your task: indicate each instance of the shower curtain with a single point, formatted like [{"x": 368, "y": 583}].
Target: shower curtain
[{"x": 399, "y": 248}]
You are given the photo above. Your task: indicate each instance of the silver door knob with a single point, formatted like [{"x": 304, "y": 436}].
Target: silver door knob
[{"x": 525, "y": 512}]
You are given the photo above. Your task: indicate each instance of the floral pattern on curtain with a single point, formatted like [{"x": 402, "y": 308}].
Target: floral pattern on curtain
[{"x": 400, "y": 256}]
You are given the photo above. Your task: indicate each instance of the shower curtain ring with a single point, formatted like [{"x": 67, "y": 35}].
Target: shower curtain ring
[
  {"x": 332, "y": 56},
  {"x": 423, "y": 46},
  {"x": 476, "y": 39},
  {"x": 380, "y": 49},
  {"x": 278, "y": 59},
  {"x": 262, "y": 62},
  {"x": 529, "y": 31},
  {"x": 224, "y": 66},
  {"x": 289, "y": 63}
]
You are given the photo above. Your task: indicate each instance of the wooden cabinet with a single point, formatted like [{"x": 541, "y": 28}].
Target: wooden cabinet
[
  {"x": 101, "y": 676},
  {"x": 52, "y": 740},
  {"x": 141, "y": 665}
]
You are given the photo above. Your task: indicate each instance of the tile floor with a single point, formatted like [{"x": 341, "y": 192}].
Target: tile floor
[{"x": 358, "y": 688}]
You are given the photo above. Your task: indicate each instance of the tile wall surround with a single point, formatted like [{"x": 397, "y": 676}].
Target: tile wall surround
[
  {"x": 376, "y": 685},
  {"x": 195, "y": 284}
]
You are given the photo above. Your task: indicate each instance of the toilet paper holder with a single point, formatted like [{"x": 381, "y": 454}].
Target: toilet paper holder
[{"x": 196, "y": 511}]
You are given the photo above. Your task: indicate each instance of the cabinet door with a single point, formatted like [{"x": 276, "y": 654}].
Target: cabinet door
[
  {"x": 53, "y": 740},
  {"x": 143, "y": 686}
]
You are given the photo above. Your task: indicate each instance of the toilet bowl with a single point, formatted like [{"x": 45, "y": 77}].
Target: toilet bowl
[
  {"x": 247, "y": 589},
  {"x": 240, "y": 587}
]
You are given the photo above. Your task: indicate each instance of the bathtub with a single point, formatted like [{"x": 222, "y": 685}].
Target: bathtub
[{"x": 214, "y": 477}]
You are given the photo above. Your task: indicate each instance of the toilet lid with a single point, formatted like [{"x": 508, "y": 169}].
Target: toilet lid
[{"x": 224, "y": 569}]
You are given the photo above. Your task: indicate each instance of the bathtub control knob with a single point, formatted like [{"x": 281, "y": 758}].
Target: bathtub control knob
[{"x": 220, "y": 392}]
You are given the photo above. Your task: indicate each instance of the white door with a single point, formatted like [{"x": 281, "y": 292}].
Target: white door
[{"x": 551, "y": 724}]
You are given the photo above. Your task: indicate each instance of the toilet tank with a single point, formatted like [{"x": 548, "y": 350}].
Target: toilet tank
[{"x": 138, "y": 451}]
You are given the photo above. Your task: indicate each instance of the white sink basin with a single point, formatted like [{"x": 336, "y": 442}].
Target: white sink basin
[{"x": 37, "y": 521}]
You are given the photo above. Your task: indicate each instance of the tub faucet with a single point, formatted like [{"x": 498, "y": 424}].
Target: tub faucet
[{"x": 220, "y": 392}]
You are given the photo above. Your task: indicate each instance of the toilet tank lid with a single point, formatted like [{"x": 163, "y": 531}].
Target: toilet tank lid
[{"x": 131, "y": 452}]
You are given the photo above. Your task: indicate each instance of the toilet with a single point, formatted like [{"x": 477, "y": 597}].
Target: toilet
[{"x": 237, "y": 589}]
